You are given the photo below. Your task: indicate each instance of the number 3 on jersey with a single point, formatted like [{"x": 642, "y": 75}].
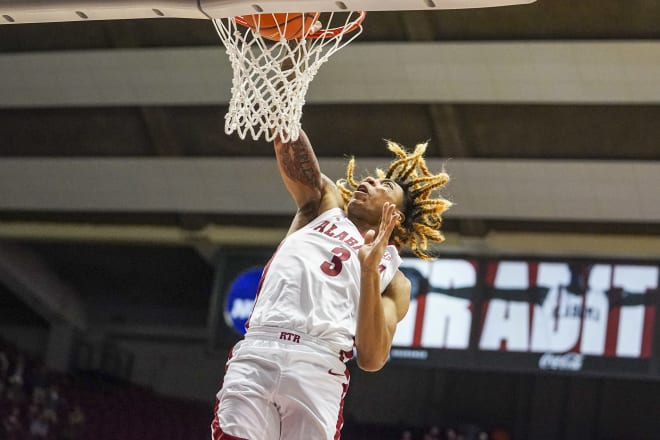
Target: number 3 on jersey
[{"x": 334, "y": 266}]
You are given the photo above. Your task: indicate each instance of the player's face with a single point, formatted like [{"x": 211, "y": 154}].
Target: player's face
[{"x": 371, "y": 194}]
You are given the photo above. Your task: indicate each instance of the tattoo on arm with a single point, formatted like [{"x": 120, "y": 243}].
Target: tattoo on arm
[{"x": 299, "y": 163}]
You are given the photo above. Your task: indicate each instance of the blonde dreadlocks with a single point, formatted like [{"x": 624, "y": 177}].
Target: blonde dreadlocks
[{"x": 423, "y": 215}]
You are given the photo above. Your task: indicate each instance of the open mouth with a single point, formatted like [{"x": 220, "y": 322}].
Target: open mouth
[{"x": 362, "y": 188}]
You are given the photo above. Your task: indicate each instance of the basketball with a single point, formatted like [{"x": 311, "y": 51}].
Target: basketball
[{"x": 282, "y": 25}]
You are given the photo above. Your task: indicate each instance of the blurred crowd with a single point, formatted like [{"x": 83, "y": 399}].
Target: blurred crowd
[
  {"x": 39, "y": 404},
  {"x": 462, "y": 432},
  {"x": 31, "y": 403}
]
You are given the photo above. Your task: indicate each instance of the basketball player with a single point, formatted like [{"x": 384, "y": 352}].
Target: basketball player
[{"x": 332, "y": 284}]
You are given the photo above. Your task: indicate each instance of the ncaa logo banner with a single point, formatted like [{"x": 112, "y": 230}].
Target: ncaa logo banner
[{"x": 240, "y": 298}]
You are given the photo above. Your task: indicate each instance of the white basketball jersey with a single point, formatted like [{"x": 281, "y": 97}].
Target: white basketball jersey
[{"x": 312, "y": 282}]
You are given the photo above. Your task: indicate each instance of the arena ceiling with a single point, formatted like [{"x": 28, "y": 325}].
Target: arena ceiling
[{"x": 556, "y": 84}]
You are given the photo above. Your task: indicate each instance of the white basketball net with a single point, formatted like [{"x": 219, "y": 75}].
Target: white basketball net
[{"x": 271, "y": 77}]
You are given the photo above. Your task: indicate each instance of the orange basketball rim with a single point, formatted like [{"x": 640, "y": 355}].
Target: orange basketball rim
[{"x": 249, "y": 21}]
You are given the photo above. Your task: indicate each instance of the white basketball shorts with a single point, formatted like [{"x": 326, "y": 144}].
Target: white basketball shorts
[{"x": 281, "y": 385}]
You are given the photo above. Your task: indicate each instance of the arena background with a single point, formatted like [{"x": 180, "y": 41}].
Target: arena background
[{"x": 125, "y": 210}]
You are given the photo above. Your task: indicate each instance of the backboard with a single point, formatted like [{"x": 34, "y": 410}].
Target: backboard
[{"x": 44, "y": 11}]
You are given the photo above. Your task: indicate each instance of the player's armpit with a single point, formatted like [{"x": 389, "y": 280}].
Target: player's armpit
[{"x": 330, "y": 198}]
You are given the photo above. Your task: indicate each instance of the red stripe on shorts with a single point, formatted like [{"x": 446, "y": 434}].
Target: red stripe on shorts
[
  {"x": 340, "y": 416},
  {"x": 216, "y": 430}
]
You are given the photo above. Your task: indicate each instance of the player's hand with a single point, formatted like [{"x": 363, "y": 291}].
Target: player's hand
[{"x": 375, "y": 243}]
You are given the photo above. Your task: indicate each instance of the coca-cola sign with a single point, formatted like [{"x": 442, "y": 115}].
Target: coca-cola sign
[{"x": 559, "y": 361}]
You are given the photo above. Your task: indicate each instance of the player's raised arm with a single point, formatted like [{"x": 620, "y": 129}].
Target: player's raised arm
[{"x": 312, "y": 192}]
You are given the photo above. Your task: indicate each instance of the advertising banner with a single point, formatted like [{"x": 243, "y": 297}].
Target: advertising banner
[{"x": 597, "y": 317}]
